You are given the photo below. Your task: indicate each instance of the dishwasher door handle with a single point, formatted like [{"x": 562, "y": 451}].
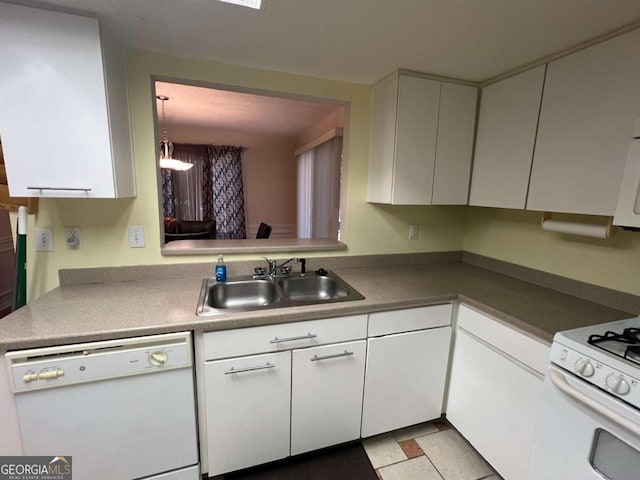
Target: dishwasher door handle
[{"x": 561, "y": 383}]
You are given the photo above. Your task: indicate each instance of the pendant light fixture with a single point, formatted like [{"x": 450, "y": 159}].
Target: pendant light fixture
[{"x": 166, "y": 147}]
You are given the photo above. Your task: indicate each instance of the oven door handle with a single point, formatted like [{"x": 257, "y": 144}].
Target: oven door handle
[{"x": 560, "y": 381}]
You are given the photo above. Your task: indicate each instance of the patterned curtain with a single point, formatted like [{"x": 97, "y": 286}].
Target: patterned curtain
[
  {"x": 228, "y": 191},
  {"x": 168, "y": 199}
]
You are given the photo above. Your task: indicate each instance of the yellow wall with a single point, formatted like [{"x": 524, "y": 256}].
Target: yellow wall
[
  {"x": 516, "y": 236},
  {"x": 370, "y": 228},
  {"x": 507, "y": 235}
]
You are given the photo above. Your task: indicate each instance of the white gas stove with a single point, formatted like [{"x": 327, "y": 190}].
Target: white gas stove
[
  {"x": 605, "y": 355},
  {"x": 589, "y": 423}
]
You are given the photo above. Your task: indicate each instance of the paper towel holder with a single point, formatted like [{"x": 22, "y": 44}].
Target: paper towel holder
[{"x": 577, "y": 228}]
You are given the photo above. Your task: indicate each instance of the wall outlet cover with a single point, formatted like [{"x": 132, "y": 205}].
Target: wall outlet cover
[
  {"x": 413, "y": 231},
  {"x": 73, "y": 237}
]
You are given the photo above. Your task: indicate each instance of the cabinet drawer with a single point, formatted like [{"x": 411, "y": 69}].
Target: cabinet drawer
[
  {"x": 286, "y": 336},
  {"x": 384, "y": 323},
  {"x": 523, "y": 348}
]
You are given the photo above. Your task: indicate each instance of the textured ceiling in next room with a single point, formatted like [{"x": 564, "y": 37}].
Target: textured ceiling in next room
[{"x": 211, "y": 109}]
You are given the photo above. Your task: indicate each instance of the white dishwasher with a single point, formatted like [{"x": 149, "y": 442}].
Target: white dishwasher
[{"x": 122, "y": 409}]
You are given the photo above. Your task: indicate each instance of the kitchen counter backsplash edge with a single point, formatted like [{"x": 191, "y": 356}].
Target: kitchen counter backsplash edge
[
  {"x": 586, "y": 291},
  {"x": 79, "y": 276}
]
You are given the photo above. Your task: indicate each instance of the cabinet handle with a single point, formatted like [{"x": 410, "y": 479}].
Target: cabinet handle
[
  {"x": 308, "y": 336},
  {"x": 315, "y": 358},
  {"x": 249, "y": 369},
  {"x": 60, "y": 188}
]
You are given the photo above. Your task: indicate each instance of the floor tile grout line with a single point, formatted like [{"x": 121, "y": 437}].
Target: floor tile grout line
[
  {"x": 408, "y": 459},
  {"x": 434, "y": 466}
]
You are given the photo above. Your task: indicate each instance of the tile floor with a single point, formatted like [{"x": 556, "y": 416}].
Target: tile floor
[{"x": 429, "y": 451}]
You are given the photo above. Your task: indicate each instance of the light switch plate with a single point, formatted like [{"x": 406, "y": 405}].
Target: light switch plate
[
  {"x": 44, "y": 240},
  {"x": 136, "y": 236},
  {"x": 413, "y": 231}
]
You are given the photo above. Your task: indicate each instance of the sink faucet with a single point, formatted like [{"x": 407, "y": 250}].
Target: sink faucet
[{"x": 272, "y": 265}]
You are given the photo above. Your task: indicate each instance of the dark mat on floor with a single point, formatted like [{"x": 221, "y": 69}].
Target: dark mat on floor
[{"x": 344, "y": 462}]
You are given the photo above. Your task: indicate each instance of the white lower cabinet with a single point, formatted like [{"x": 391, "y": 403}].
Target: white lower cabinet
[
  {"x": 493, "y": 397},
  {"x": 279, "y": 390},
  {"x": 406, "y": 372},
  {"x": 326, "y": 395},
  {"x": 248, "y": 402},
  {"x": 332, "y": 381}
]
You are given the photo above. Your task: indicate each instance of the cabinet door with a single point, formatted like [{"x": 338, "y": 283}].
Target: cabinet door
[
  {"x": 416, "y": 131},
  {"x": 493, "y": 402},
  {"x": 591, "y": 101},
  {"x": 405, "y": 379},
  {"x": 505, "y": 140},
  {"x": 383, "y": 139},
  {"x": 247, "y": 405},
  {"x": 326, "y": 395},
  {"x": 456, "y": 123},
  {"x": 54, "y": 119}
]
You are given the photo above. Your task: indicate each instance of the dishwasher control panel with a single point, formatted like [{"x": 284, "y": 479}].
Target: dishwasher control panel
[{"x": 72, "y": 364}]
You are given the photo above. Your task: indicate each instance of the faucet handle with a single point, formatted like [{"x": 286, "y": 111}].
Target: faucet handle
[{"x": 272, "y": 266}]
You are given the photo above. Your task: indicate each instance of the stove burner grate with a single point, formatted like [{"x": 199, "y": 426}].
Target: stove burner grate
[{"x": 625, "y": 345}]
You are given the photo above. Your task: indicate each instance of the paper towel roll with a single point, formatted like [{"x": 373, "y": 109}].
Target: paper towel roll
[{"x": 575, "y": 228}]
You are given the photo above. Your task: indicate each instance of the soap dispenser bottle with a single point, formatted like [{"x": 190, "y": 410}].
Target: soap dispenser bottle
[{"x": 221, "y": 270}]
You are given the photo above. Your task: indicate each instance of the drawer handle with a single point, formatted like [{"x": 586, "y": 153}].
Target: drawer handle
[
  {"x": 308, "y": 336},
  {"x": 316, "y": 358},
  {"x": 249, "y": 369},
  {"x": 60, "y": 188}
]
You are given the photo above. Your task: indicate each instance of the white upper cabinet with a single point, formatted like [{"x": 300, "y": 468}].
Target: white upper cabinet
[
  {"x": 590, "y": 103},
  {"x": 64, "y": 119},
  {"x": 422, "y": 140},
  {"x": 505, "y": 140},
  {"x": 456, "y": 125},
  {"x": 628, "y": 210}
]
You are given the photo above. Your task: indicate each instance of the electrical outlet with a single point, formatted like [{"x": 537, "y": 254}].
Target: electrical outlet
[
  {"x": 136, "y": 236},
  {"x": 44, "y": 240},
  {"x": 73, "y": 237},
  {"x": 413, "y": 231}
]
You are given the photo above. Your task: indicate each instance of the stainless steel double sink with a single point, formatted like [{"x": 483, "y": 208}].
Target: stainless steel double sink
[{"x": 248, "y": 293}]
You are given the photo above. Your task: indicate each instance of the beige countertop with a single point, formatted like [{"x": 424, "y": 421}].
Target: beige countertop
[{"x": 96, "y": 311}]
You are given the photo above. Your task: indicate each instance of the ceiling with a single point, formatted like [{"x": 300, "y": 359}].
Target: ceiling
[
  {"x": 206, "y": 108},
  {"x": 360, "y": 40},
  {"x": 351, "y": 40}
]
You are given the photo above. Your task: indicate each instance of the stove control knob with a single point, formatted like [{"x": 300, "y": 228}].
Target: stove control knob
[
  {"x": 158, "y": 358},
  {"x": 584, "y": 368},
  {"x": 618, "y": 384}
]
